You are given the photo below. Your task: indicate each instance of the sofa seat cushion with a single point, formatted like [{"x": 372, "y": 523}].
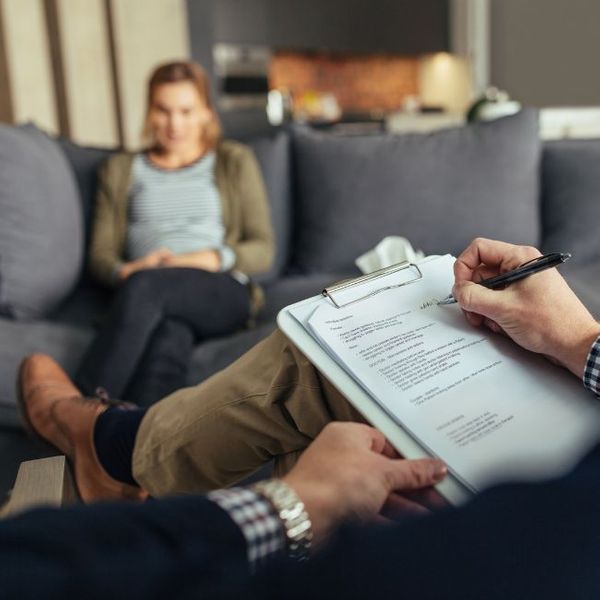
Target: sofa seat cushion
[
  {"x": 41, "y": 229},
  {"x": 64, "y": 343},
  {"x": 439, "y": 190},
  {"x": 214, "y": 355}
]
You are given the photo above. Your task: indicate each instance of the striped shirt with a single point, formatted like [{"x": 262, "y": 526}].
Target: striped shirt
[{"x": 176, "y": 209}]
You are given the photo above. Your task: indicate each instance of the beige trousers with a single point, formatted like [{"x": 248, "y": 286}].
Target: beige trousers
[{"x": 269, "y": 404}]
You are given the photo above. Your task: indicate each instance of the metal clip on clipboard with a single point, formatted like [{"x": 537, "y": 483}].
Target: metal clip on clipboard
[{"x": 365, "y": 280}]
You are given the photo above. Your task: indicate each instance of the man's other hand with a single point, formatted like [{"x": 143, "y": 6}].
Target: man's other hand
[
  {"x": 350, "y": 471},
  {"x": 540, "y": 313}
]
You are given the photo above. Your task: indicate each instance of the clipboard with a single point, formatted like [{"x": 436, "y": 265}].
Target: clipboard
[{"x": 342, "y": 294}]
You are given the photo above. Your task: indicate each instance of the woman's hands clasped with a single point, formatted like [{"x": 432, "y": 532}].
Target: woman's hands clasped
[{"x": 207, "y": 260}]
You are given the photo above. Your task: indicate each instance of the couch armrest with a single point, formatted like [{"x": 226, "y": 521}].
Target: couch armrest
[{"x": 42, "y": 482}]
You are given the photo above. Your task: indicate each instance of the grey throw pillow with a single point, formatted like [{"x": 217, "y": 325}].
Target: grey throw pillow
[
  {"x": 41, "y": 230},
  {"x": 438, "y": 190}
]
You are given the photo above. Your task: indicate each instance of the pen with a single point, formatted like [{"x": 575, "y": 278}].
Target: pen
[{"x": 536, "y": 265}]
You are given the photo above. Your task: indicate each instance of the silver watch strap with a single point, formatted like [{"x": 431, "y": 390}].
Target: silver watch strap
[{"x": 290, "y": 510}]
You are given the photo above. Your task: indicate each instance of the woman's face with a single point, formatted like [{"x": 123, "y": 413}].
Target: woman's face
[{"x": 178, "y": 116}]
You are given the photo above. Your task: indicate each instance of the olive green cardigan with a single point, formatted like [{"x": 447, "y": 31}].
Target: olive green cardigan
[{"x": 245, "y": 213}]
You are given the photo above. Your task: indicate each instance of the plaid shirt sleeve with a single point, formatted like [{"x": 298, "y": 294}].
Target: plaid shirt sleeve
[
  {"x": 591, "y": 375},
  {"x": 257, "y": 519}
]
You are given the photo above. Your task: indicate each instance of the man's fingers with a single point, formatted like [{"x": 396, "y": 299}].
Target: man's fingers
[
  {"x": 499, "y": 256},
  {"x": 475, "y": 298},
  {"x": 473, "y": 318},
  {"x": 390, "y": 451},
  {"x": 480, "y": 251},
  {"x": 378, "y": 441},
  {"x": 414, "y": 474},
  {"x": 397, "y": 506},
  {"x": 428, "y": 497},
  {"x": 493, "y": 326}
]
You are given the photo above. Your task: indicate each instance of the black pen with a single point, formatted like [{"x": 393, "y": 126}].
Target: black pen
[{"x": 536, "y": 265}]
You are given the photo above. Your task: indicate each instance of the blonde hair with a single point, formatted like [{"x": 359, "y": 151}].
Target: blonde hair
[{"x": 175, "y": 72}]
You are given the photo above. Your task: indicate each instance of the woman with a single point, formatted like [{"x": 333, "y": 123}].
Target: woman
[{"x": 178, "y": 228}]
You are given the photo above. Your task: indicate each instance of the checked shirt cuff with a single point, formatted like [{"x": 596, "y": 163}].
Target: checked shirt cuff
[
  {"x": 257, "y": 519},
  {"x": 591, "y": 375}
]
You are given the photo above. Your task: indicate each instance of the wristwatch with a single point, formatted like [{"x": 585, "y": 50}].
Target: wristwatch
[{"x": 290, "y": 510}]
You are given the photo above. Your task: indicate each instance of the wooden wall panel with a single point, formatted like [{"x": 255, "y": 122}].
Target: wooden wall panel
[
  {"x": 28, "y": 62},
  {"x": 88, "y": 82},
  {"x": 146, "y": 33},
  {"x": 6, "y": 107}
]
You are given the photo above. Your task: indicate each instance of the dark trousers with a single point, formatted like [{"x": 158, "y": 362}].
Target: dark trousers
[{"x": 142, "y": 351}]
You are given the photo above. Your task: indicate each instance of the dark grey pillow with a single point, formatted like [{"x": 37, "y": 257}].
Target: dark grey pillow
[
  {"x": 85, "y": 162},
  {"x": 571, "y": 200},
  {"x": 273, "y": 155},
  {"x": 41, "y": 231},
  {"x": 438, "y": 190}
]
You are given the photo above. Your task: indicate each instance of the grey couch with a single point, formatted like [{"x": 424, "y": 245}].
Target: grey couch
[{"x": 332, "y": 198}]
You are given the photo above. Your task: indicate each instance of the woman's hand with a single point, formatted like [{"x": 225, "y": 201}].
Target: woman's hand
[
  {"x": 208, "y": 260},
  {"x": 152, "y": 260}
]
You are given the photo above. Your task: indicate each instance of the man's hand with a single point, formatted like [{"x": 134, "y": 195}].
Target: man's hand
[
  {"x": 152, "y": 260},
  {"x": 350, "y": 471},
  {"x": 208, "y": 260},
  {"x": 540, "y": 313}
]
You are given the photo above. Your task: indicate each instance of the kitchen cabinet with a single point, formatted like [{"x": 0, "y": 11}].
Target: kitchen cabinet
[{"x": 354, "y": 26}]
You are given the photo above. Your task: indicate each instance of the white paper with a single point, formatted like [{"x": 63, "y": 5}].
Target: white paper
[{"x": 489, "y": 409}]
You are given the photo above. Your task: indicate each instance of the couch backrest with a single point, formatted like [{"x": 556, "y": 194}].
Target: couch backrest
[
  {"x": 345, "y": 182},
  {"x": 85, "y": 162},
  {"x": 571, "y": 199},
  {"x": 273, "y": 154},
  {"x": 438, "y": 190}
]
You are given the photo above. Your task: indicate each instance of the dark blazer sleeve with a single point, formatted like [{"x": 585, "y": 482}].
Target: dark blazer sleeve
[
  {"x": 177, "y": 548},
  {"x": 514, "y": 542},
  {"x": 517, "y": 542}
]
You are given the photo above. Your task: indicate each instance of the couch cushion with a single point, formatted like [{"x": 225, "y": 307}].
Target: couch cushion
[
  {"x": 41, "y": 232},
  {"x": 215, "y": 354},
  {"x": 571, "y": 200},
  {"x": 439, "y": 190},
  {"x": 64, "y": 343},
  {"x": 293, "y": 288},
  {"x": 584, "y": 279},
  {"x": 273, "y": 155},
  {"x": 85, "y": 162}
]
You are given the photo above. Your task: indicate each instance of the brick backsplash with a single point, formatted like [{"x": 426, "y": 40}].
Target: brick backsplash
[{"x": 360, "y": 83}]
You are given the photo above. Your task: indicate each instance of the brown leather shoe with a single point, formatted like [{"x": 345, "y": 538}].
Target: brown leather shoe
[{"x": 55, "y": 411}]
